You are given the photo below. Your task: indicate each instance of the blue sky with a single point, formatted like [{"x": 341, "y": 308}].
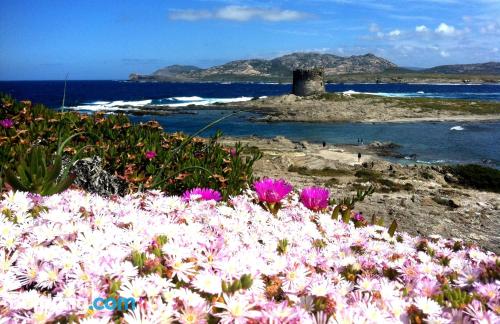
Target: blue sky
[{"x": 45, "y": 39}]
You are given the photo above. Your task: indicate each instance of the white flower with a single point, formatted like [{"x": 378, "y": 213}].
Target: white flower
[
  {"x": 132, "y": 289},
  {"x": 208, "y": 282},
  {"x": 295, "y": 278},
  {"x": 8, "y": 282},
  {"x": 48, "y": 277},
  {"x": 427, "y": 306},
  {"x": 237, "y": 309},
  {"x": 320, "y": 288}
]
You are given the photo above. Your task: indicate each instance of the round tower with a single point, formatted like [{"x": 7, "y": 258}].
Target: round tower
[{"x": 308, "y": 82}]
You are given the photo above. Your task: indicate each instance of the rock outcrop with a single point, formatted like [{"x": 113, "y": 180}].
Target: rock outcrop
[{"x": 91, "y": 176}]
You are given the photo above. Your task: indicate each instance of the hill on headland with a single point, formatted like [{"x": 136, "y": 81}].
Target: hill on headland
[
  {"x": 280, "y": 68},
  {"x": 492, "y": 68}
]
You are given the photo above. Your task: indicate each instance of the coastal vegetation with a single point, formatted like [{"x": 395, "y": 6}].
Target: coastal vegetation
[
  {"x": 181, "y": 260},
  {"x": 477, "y": 176},
  {"x": 423, "y": 104},
  {"x": 142, "y": 155},
  {"x": 198, "y": 240}
]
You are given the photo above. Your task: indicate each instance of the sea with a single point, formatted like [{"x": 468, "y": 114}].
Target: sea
[{"x": 420, "y": 142}]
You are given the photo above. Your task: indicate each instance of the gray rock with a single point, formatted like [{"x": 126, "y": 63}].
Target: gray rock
[
  {"x": 448, "y": 177},
  {"x": 445, "y": 201},
  {"x": 91, "y": 176},
  {"x": 304, "y": 144}
]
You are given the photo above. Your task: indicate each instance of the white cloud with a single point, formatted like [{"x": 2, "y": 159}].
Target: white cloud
[
  {"x": 189, "y": 15},
  {"x": 490, "y": 28},
  {"x": 395, "y": 33},
  {"x": 446, "y": 30},
  {"x": 421, "y": 29},
  {"x": 238, "y": 13},
  {"x": 444, "y": 53},
  {"x": 374, "y": 28}
]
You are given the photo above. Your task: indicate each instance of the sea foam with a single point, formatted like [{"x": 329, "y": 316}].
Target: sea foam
[{"x": 174, "y": 102}]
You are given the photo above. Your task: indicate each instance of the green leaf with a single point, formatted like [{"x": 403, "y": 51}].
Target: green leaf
[
  {"x": 59, "y": 187},
  {"x": 54, "y": 170},
  {"x": 346, "y": 216},
  {"x": 63, "y": 144},
  {"x": 335, "y": 213},
  {"x": 14, "y": 182},
  {"x": 392, "y": 228}
]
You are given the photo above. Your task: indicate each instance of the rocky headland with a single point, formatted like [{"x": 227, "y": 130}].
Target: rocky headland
[
  {"x": 346, "y": 107},
  {"x": 341, "y": 107},
  {"x": 338, "y": 69}
]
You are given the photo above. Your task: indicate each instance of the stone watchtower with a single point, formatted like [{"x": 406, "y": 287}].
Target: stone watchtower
[{"x": 307, "y": 82}]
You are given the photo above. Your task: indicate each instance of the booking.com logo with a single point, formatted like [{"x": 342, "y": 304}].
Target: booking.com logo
[{"x": 112, "y": 304}]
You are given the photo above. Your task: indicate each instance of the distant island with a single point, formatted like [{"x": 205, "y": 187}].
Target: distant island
[{"x": 338, "y": 69}]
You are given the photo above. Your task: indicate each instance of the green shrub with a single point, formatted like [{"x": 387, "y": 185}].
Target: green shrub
[
  {"x": 476, "y": 176},
  {"x": 385, "y": 185},
  {"x": 181, "y": 162},
  {"x": 325, "y": 172},
  {"x": 35, "y": 175},
  {"x": 368, "y": 175}
]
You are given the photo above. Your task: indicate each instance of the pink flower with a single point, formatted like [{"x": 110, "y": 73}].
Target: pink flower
[
  {"x": 35, "y": 198},
  {"x": 358, "y": 218},
  {"x": 203, "y": 194},
  {"x": 271, "y": 190},
  {"x": 315, "y": 198},
  {"x": 150, "y": 155},
  {"x": 233, "y": 152},
  {"x": 7, "y": 123}
]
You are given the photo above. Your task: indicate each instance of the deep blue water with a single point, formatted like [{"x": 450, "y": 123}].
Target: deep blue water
[
  {"x": 425, "y": 142},
  {"x": 80, "y": 92}
]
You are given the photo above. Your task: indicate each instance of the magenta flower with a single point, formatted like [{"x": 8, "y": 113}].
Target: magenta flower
[
  {"x": 35, "y": 198},
  {"x": 203, "y": 193},
  {"x": 315, "y": 198},
  {"x": 7, "y": 123},
  {"x": 271, "y": 190},
  {"x": 358, "y": 218},
  {"x": 233, "y": 152},
  {"x": 150, "y": 155}
]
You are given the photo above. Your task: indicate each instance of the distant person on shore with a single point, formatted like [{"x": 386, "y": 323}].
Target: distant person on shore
[
  {"x": 359, "y": 157},
  {"x": 361, "y": 141},
  {"x": 324, "y": 144}
]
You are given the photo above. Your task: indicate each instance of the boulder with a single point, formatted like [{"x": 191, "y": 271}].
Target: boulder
[
  {"x": 91, "y": 176},
  {"x": 450, "y": 178}
]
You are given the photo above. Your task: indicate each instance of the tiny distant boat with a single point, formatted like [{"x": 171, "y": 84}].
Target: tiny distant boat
[
  {"x": 457, "y": 128},
  {"x": 420, "y": 92}
]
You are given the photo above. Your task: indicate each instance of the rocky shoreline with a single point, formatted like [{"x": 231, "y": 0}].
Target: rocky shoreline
[
  {"x": 338, "y": 107},
  {"x": 343, "y": 107},
  {"x": 423, "y": 199}
]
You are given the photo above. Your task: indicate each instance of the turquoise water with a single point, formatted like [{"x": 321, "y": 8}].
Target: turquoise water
[
  {"x": 423, "y": 142},
  {"x": 430, "y": 142}
]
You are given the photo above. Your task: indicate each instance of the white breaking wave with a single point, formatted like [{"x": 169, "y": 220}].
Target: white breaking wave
[
  {"x": 112, "y": 105},
  {"x": 120, "y": 105},
  {"x": 187, "y": 101},
  {"x": 457, "y": 128},
  {"x": 193, "y": 98}
]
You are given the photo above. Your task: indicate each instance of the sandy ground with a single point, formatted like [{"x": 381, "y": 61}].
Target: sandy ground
[{"x": 425, "y": 203}]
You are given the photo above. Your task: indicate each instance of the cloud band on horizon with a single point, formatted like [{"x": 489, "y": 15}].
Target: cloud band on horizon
[{"x": 238, "y": 13}]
